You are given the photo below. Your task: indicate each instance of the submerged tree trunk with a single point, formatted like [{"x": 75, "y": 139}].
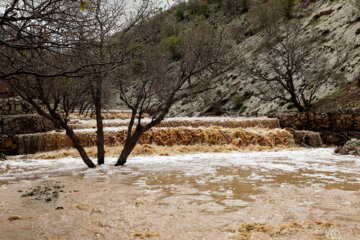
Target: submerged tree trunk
[
  {"x": 100, "y": 138},
  {"x": 100, "y": 127},
  {"x": 130, "y": 143},
  {"x": 70, "y": 133}
]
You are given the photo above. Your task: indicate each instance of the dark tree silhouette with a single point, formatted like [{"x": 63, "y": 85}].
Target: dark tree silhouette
[{"x": 293, "y": 69}]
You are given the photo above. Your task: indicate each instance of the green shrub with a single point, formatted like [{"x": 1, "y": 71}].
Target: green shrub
[
  {"x": 172, "y": 45},
  {"x": 197, "y": 7},
  {"x": 244, "y": 5},
  {"x": 180, "y": 11},
  {"x": 290, "y": 106},
  {"x": 237, "y": 101},
  {"x": 168, "y": 30},
  {"x": 204, "y": 9},
  {"x": 136, "y": 66},
  {"x": 242, "y": 109},
  {"x": 287, "y": 6},
  {"x": 232, "y": 6},
  {"x": 282, "y": 103},
  {"x": 340, "y": 80}
]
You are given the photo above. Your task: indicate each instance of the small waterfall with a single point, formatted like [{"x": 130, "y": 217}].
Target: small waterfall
[
  {"x": 228, "y": 122},
  {"x": 176, "y": 131}
]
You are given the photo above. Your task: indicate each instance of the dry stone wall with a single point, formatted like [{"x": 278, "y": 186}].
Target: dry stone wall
[
  {"x": 15, "y": 106},
  {"x": 334, "y": 127},
  {"x": 22, "y": 124},
  {"x": 12, "y": 126},
  {"x": 18, "y": 117}
]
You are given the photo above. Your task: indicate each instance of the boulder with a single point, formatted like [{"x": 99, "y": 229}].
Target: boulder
[
  {"x": 307, "y": 138},
  {"x": 2, "y": 157},
  {"x": 351, "y": 147}
]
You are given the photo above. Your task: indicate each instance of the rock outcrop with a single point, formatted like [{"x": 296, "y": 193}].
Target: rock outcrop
[
  {"x": 2, "y": 157},
  {"x": 352, "y": 147},
  {"x": 307, "y": 138},
  {"x": 336, "y": 24}
]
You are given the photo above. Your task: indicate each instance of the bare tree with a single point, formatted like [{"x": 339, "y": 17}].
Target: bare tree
[
  {"x": 153, "y": 82},
  {"x": 40, "y": 42},
  {"x": 266, "y": 16},
  {"x": 35, "y": 44},
  {"x": 293, "y": 69},
  {"x": 104, "y": 43},
  {"x": 33, "y": 28}
]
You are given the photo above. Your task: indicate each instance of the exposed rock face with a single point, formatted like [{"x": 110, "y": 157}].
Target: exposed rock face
[
  {"x": 352, "y": 147},
  {"x": 335, "y": 128},
  {"x": 336, "y": 24}
]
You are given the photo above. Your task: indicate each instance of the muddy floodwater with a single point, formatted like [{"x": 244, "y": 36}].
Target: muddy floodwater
[{"x": 307, "y": 194}]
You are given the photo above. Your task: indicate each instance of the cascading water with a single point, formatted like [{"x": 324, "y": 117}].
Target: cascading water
[
  {"x": 228, "y": 122},
  {"x": 176, "y": 131}
]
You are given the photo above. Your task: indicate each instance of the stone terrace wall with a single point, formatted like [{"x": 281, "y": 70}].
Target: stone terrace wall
[
  {"x": 18, "y": 117},
  {"x": 335, "y": 128},
  {"x": 12, "y": 126},
  {"x": 15, "y": 106},
  {"x": 22, "y": 124}
]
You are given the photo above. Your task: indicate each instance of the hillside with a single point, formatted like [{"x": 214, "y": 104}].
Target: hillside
[{"x": 335, "y": 24}]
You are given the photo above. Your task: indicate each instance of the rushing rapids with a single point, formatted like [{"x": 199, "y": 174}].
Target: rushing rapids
[
  {"x": 237, "y": 132},
  {"x": 239, "y": 137},
  {"x": 228, "y": 122}
]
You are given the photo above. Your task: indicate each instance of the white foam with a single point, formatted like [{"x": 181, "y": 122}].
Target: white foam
[{"x": 321, "y": 163}]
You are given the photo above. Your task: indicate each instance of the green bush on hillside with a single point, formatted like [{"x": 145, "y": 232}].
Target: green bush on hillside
[
  {"x": 136, "y": 66},
  {"x": 244, "y": 5},
  {"x": 168, "y": 30},
  {"x": 233, "y": 6},
  {"x": 171, "y": 45},
  {"x": 194, "y": 7},
  {"x": 287, "y": 6},
  {"x": 237, "y": 101},
  {"x": 180, "y": 11}
]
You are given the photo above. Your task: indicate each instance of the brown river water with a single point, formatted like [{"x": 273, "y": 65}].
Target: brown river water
[{"x": 300, "y": 194}]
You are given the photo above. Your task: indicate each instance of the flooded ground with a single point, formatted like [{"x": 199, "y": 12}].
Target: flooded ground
[{"x": 307, "y": 194}]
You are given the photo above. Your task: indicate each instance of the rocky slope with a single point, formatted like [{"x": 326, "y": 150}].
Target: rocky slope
[{"x": 336, "y": 23}]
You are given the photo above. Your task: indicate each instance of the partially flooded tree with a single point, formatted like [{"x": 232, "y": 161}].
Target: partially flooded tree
[
  {"x": 154, "y": 82},
  {"x": 55, "y": 55},
  {"x": 104, "y": 42},
  {"x": 294, "y": 68},
  {"x": 35, "y": 60}
]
